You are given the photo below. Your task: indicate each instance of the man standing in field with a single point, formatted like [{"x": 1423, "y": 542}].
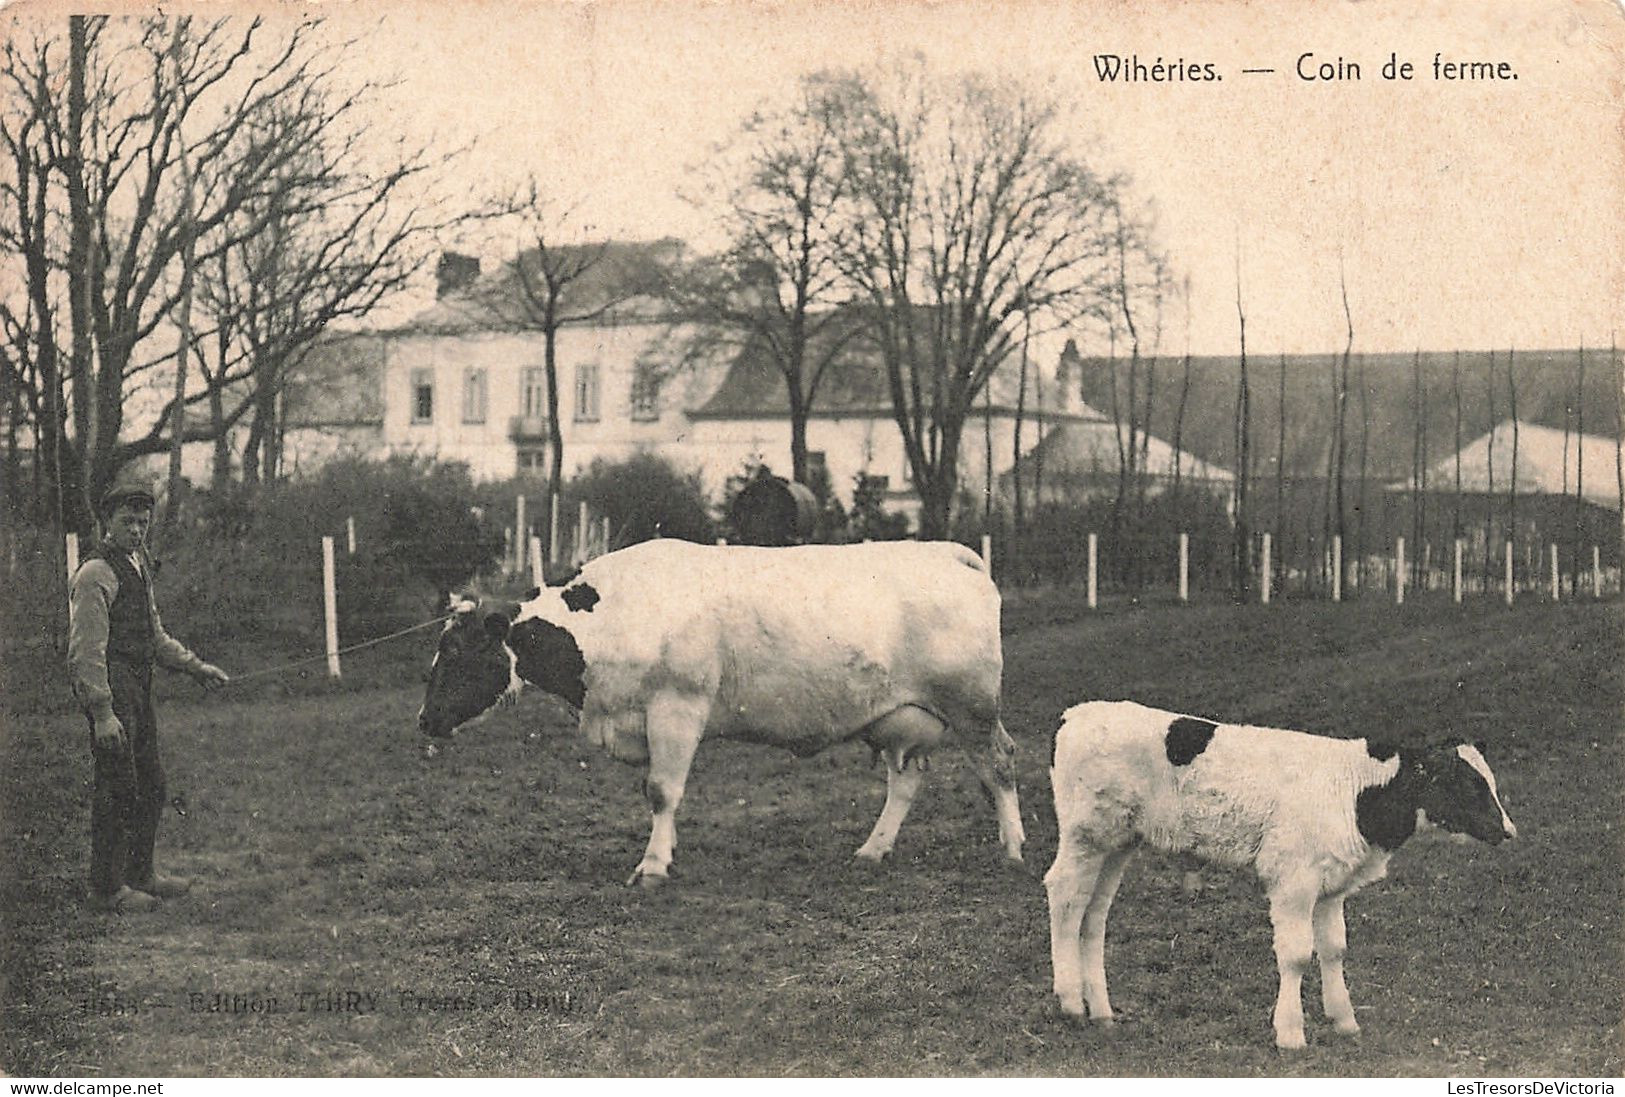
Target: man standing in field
[{"x": 114, "y": 639}]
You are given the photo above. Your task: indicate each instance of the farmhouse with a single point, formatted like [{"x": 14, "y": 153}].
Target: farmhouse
[{"x": 463, "y": 381}]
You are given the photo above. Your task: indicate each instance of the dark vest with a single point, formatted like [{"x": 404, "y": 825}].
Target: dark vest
[{"x": 129, "y": 618}]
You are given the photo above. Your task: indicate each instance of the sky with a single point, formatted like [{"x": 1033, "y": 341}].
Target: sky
[{"x": 1464, "y": 214}]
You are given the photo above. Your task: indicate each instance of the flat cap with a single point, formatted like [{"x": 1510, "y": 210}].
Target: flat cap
[{"x": 126, "y": 487}]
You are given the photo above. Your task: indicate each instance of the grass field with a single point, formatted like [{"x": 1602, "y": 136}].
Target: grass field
[{"x": 476, "y": 895}]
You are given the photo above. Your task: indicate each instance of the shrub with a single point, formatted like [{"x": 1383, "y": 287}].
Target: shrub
[{"x": 644, "y": 496}]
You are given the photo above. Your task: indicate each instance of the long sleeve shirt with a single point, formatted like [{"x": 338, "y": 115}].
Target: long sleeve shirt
[{"x": 90, "y": 598}]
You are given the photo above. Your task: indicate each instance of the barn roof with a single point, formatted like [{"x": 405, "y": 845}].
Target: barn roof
[
  {"x": 1550, "y": 462},
  {"x": 1090, "y": 448}
]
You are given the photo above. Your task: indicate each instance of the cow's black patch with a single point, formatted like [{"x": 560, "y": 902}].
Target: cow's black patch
[
  {"x": 580, "y": 596},
  {"x": 1386, "y": 814},
  {"x": 1381, "y": 749},
  {"x": 548, "y": 655},
  {"x": 1187, "y": 737},
  {"x": 533, "y": 592}
]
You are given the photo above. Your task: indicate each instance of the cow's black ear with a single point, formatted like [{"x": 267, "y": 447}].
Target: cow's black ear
[{"x": 497, "y": 624}]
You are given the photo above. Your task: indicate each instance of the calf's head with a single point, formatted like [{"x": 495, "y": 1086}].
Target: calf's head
[{"x": 1457, "y": 792}]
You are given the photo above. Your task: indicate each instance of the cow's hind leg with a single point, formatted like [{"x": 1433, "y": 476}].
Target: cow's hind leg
[
  {"x": 902, "y": 782},
  {"x": 904, "y": 737},
  {"x": 674, "y": 724},
  {"x": 996, "y": 769}
]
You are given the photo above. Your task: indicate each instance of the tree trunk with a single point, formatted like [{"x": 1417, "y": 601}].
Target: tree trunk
[{"x": 555, "y": 430}]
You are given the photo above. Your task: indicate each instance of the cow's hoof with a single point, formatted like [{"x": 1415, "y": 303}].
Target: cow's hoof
[
  {"x": 1350, "y": 1031},
  {"x": 869, "y": 856},
  {"x": 644, "y": 879},
  {"x": 1291, "y": 1046}
]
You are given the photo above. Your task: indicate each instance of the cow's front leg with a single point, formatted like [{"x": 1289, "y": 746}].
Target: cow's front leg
[{"x": 674, "y": 724}]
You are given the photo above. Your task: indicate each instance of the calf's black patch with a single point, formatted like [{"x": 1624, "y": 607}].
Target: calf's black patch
[
  {"x": 581, "y": 596},
  {"x": 1380, "y": 749},
  {"x": 1187, "y": 737},
  {"x": 1385, "y": 814}
]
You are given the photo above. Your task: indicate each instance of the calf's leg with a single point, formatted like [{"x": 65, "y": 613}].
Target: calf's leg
[
  {"x": 1291, "y": 913},
  {"x": 1070, "y": 884},
  {"x": 1331, "y": 942},
  {"x": 1094, "y": 934},
  {"x": 674, "y": 724}
]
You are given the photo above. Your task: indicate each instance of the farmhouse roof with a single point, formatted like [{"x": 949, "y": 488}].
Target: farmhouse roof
[
  {"x": 1549, "y": 462},
  {"x": 616, "y": 281},
  {"x": 853, "y": 384}
]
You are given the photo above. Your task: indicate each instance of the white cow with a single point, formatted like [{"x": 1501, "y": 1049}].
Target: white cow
[
  {"x": 666, "y": 642},
  {"x": 1316, "y": 818}
]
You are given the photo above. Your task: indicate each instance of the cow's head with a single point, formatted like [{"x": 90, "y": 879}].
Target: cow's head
[
  {"x": 1456, "y": 791},
  {"x": 485, "y": 656},
  {"x": 473, "y": 667}
]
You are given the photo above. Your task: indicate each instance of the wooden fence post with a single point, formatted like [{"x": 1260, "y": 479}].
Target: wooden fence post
[
  {"x": 1399, "y": 571},
  {"x": 1184, "y": 567},
  {"x": 1456, "y": 576},
  {"x": 521, "y": 533},
  {"x": 1337, "y": 567},
  {"x": 72, "y": 544},
  {"x": 1268, "y": 573},
  {"x": 330, "y": 607},
  {"x": 1093, "y": 558}
]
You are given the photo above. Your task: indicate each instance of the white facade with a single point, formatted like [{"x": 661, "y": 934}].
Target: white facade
[{"x": 477, "y": 398}]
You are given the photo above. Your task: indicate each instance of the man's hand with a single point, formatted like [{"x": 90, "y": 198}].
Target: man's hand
[
  {"x": 211, "y": 675},
  {"x": 109, "y": 733}
]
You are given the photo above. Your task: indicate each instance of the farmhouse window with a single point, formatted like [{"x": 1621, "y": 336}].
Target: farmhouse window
[
  {"x": 587, "y": 393},
  {"x": 423, "y": 396},
  {"x": 474, "y": 396},
  {"x": 645, "y": 394},
  {"x": 533, "y": 459},
  {"x": 533, "y": 393}
]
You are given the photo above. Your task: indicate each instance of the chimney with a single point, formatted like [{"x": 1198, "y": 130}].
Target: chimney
[{"x": 455, "y": 273}]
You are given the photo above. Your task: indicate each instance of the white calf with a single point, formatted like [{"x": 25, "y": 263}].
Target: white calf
[{"x": 1316, "y": 818}]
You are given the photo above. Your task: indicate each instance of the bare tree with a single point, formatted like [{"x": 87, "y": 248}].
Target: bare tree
[
  {"x": 1489, "y": 472},
  {"x": 1340, "y": 432},
  {"x": 1455, "y": 391},
  {"x": 1579, "y": 473},
  {"x": 557, "y": 278},
  {"x": 338, "y": 235},
  {"x": 1242, "y": 550},
  {"x": 1512, "y": 477},
  {"x": 777, "y": 285},
  {"x": 134, "y": 141},
  {"x": 967, "y": 214}
]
